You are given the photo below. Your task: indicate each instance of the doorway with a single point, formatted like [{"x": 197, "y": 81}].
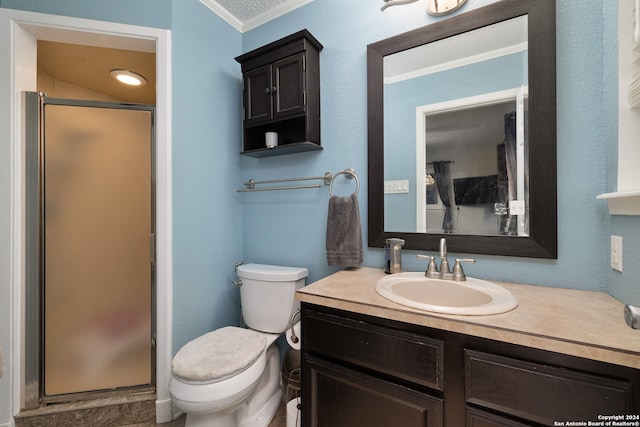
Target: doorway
[
  {"x": 92, "y": 179},
  {"x": 21, "y": 31},
  {"x": 465, "y": 133}
]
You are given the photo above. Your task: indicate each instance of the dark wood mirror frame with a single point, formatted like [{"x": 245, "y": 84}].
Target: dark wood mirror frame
[{"x": 542, "y": 239}]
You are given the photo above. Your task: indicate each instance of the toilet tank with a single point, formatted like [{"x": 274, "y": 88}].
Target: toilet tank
[{"x": 267, "y": 295}]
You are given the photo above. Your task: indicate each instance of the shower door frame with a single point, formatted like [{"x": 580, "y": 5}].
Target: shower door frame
[{"x": 34, "y": 103}]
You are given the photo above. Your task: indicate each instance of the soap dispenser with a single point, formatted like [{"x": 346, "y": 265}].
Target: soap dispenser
[{"x": 392, "y": 255}]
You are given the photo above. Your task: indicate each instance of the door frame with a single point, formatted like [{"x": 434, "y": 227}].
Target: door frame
[
  {"x": 19, "y": 33},
  {"x": 423, "y": 111}
]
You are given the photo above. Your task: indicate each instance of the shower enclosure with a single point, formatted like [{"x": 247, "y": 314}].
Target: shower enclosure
[{"x": 90, "y": 248}]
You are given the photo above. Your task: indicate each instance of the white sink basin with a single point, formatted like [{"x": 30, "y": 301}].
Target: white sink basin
[{"x": 471, "y": 297}]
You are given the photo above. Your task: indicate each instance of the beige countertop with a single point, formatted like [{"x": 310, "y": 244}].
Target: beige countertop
[{"x": 580, "y": 323}]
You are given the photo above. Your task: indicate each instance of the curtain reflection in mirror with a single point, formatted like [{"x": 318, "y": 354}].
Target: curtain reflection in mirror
[{"x": 443, "y": 182}]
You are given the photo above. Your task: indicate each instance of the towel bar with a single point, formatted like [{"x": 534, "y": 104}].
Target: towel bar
[{"x": 326, "y": 179}]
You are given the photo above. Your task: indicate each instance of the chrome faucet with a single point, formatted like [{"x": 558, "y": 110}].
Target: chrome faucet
[
  {"x": 444, "y": 263},
  {"x": 444, "y": 272}
]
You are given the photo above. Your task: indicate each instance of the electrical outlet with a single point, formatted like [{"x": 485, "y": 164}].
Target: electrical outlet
[{"x": 616, "y": 253}]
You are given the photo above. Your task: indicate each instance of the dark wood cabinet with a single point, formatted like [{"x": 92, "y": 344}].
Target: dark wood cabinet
[
  {"x": 360, "y": 370},
  {"x": 281, "y": 93}
]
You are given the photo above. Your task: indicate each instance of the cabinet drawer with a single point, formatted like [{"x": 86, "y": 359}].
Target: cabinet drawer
[
  {"x": 478, "y": 418},
  {"x": 404, "y": 355},
  {"x": 542, "y": 393}
]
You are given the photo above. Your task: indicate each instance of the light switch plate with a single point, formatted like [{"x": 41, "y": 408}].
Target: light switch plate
[
  {"x": 396, "y": 187},
  {"x": 616, "y": 253}
]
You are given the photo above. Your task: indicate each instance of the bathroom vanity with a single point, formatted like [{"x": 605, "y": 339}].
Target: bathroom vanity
[{"x": 562, "y": 355}]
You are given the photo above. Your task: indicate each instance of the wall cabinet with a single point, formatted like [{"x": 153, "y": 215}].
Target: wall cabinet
[
  {"x": 362, "y": 370},
  {"x": 281, "y": 93}
]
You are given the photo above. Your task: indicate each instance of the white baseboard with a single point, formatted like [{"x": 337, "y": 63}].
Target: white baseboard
[
  {"x": 11, "y": 423},
  {"x": 164, "y": 411}
]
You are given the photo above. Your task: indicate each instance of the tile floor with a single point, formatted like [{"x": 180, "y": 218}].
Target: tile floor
[{"x": 135, "y": 410}]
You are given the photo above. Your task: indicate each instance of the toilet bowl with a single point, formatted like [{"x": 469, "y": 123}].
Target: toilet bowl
[{"x": 231, "y": 377}]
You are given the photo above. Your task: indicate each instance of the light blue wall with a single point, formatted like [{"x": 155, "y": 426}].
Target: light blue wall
[
  {"x": 207, "y": 212},
  {"x": 149, "y": 13},
  {"x": 214, "y": 226},
  {"x": 288, "y": 227}
]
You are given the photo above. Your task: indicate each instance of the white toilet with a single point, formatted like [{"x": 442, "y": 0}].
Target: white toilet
[{"x": 231, "y": 377}]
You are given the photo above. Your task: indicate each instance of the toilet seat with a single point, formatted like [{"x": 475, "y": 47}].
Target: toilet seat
[{"x": 218, "y": 355}]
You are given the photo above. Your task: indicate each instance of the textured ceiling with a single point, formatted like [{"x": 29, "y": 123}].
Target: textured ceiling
[
  {"x": 247, "y": 14},
  {"x": 249, "y": 9},
  {"x": 481, "y": 44}
]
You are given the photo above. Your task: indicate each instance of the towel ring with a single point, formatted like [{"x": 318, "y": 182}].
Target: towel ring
[{"x": 350, "y": 174}]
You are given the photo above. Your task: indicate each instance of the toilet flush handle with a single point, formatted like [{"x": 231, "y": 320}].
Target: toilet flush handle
[{"x": 235, "y": 266}]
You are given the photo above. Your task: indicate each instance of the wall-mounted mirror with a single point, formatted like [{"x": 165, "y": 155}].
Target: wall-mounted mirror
[{"x": 462, "y": 133}]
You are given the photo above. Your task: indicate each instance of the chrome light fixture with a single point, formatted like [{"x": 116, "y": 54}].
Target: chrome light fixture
[
  {"x": 388, "y": 3},
  {"x": 435, "y": 7},
  {"x": 444, "y": 7},
  {"x": 128, "y": 77}
]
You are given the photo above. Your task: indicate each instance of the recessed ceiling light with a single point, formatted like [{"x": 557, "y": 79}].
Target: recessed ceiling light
[{"x": 128, "y": 77}]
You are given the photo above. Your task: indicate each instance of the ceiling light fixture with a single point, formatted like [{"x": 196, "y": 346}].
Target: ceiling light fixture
[{"x": 128, "y": 77}]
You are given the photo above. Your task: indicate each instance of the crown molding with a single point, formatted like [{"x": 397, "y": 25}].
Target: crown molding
[
  {"x": 255, "y": 21},
  {"x": 223, "y": 13}
]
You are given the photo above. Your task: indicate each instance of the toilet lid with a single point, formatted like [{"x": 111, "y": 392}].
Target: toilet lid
[{"x": 218, "y": 354}]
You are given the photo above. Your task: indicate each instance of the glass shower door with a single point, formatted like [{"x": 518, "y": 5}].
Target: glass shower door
[{"x": 97, "y": 246}]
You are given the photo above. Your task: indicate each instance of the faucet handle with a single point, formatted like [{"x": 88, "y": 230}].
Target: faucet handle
[
  {"x": 432, "y": 268},
  {"x": 458, "y": 272}
]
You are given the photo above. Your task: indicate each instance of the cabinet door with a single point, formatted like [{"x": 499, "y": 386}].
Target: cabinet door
[
  {"x": 289, "y": 96},
  {"x": 340, "y": 397},
  {"x": 258, "y": 87}
]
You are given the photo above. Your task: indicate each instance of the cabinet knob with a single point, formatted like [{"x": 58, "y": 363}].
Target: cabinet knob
[{"x": 267, "y": 90}]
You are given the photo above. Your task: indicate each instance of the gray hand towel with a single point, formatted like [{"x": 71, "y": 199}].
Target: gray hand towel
[{"x": 344, "y": 235}]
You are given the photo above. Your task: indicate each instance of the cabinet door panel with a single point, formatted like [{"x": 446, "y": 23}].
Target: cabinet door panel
[
  {"x": 341, "y": 397},
  {"x": 542, "y": 393},
  {"x": 257, "y": 95},
  {"x": 401, "y": 354},
  {"x": 289, "y": 83}
]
